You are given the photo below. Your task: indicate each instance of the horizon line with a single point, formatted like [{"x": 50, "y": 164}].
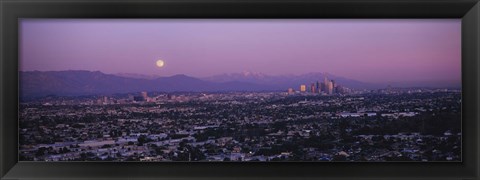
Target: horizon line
[{"x": 202, "y": 78}]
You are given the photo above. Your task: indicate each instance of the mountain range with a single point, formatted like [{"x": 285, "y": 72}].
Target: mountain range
[
  {"x": 286, "y": 81},
  {"x": 79, "y": 82}
]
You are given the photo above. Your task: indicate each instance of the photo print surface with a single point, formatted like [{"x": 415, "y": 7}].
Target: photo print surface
[{"x": 358, "y": 90}]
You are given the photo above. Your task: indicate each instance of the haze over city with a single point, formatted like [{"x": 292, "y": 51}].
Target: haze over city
[{"x": 374, "y": 51}]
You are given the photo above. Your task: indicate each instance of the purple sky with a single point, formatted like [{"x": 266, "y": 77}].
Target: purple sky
[{"x": 367, "y": 50}]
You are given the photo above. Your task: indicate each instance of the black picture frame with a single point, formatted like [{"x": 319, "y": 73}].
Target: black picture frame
[{"x": 12, "y": 10}]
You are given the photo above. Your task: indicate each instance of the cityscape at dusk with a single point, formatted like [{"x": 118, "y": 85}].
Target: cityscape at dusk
[{"x": 240, "y": 90}]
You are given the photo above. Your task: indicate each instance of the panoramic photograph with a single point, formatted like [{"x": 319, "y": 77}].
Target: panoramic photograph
[{"x": 240, "y": 90}]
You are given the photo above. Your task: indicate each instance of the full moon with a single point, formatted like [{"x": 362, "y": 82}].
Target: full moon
[{"x": 160, "y": 63}]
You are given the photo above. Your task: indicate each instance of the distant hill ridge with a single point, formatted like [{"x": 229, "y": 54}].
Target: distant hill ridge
[{"x": 80, "y": 82}]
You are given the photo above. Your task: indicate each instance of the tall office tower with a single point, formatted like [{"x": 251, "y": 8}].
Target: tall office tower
[
  {"x": 334, "y": 86},
  {"x": 312, "y": 88},
  {"x": 290, "y": 91},
  {"x": 325, "y": 82},
  {"x": 144, "y": 95},
  {"x": 318, "y": 87},
  {"x": 103, "y": 100},
  {"x": 303, "y": 88},
  {"x": 330, "y": 87}
]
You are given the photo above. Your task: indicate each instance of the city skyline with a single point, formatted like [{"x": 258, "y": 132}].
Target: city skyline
[
  {"x": 400, "y": 50},
  {"x": 78, "y": 83}
]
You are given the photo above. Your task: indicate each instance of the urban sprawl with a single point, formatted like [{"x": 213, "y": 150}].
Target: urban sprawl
[{"x": 318, "y": 122}]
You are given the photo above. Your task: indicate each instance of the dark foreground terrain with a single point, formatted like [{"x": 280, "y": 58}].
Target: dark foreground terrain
[{"x": 414, "y": 125}]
